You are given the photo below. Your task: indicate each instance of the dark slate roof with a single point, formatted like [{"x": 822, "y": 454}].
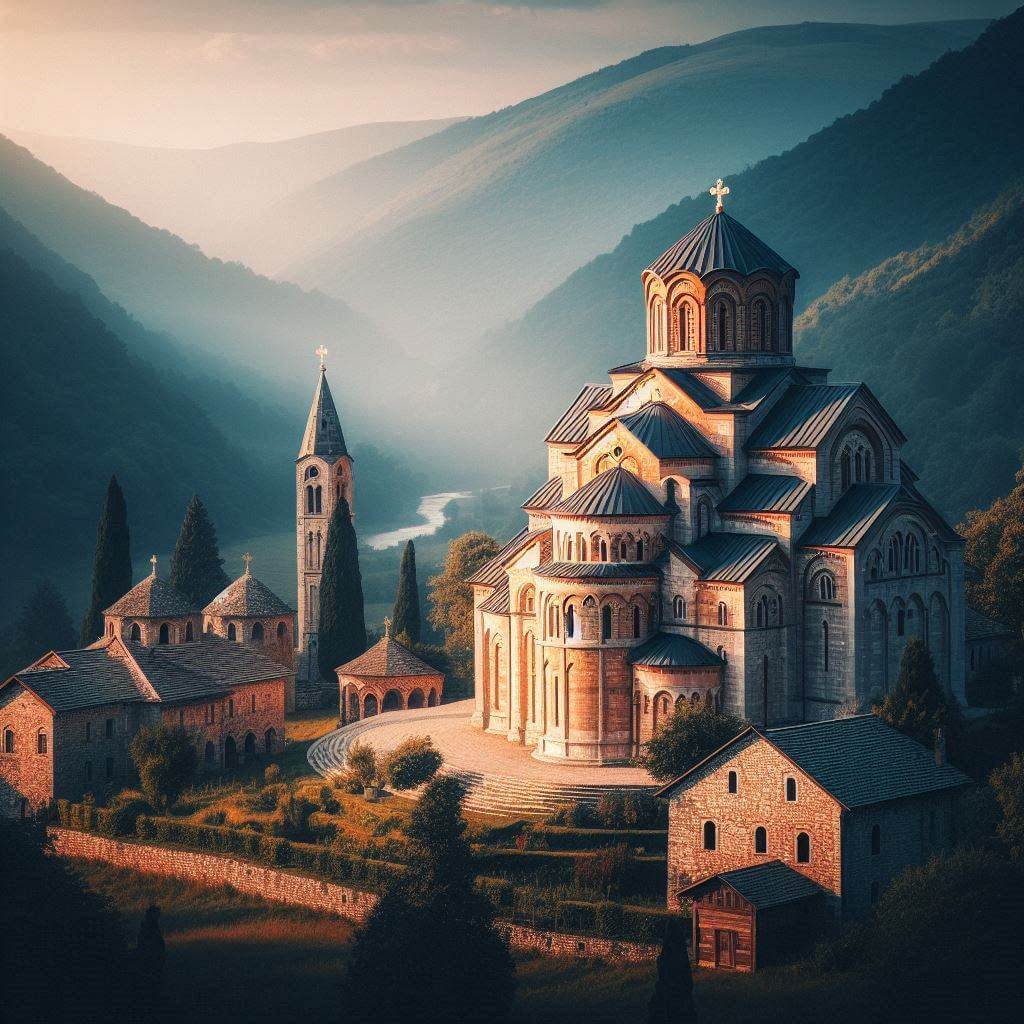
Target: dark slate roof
[
  {"x": 762, "y": 384},
  {"x": 664, "y": 433},
  {"x": 670, "y": 650},
  {"x": 863, "y": 761},
  {"x": 598, "y": 571},
  {"x": 762, "y": 492},
  {"x": 546, "y": 496},
  {"x": 385, "y": 659},
  {"x": 615, "y": 492},
  {"x": 764, "y": 885},
  {"x": 719, "y": 242},
  {"x": 92, "y": 678},
  {"x": 204, "y": 667},
  {"x": 247, "y": 596},
  {"x": 851, "y": 517},
  {"x": 153, "y": 598},
  {"x": 323, "y": 435},
  {"x": 491, "y": 572},
  {"x": 573, "y": 426},
  {"x": 498, "y": 602},
  {"x": 981, "y": 627},
  {"x": 706, "y": 397},
  {"x": 803, "y": 416},
  {"x": 727, "y": 557}
]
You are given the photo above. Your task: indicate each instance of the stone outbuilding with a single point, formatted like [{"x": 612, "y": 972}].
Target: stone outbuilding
[
  {"x": 153, "y": 613},
  {"x": 249, "y": 612},
  {"x": 387, "y": 677}
]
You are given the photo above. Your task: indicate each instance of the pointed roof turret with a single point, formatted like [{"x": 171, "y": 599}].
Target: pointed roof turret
[
  {"x": 323, "y": 435},
  {"x": 151, "y": 599},
  {"x": 247, "y": 597}
]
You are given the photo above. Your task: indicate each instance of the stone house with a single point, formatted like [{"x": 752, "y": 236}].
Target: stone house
[
  {"x": 714, "y": 491},
  {"x": 848, "y": 803},
  {"x": 67, "y": 721}
]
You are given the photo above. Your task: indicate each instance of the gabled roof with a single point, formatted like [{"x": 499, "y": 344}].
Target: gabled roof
[
  {"x": 385, "y": 659},
  {"x": 93, "y": 677},
  {"x": 664, "y": 433},
  {"x": 670, "y": 650},
  {"x": 598, "y": 571},
  {"x": 760, "y": 386},
  {"x": 706, "y": 397},
  {"x": 727, "y": 557},
  {"x": 981, "y": 627},
  {"x": 491, "y": 572},
  {"x": 247, "y": 596},
  {"x": 803, "y": 416},
  {"x": 762, "y": 885},
  {"x": 574, "y": 426},
  {"x": 323, "y": 435},
  {"x": 546, "y": 496},
  {"x": 615, "y": 492},
  {"x": 719, "y": 242},
  {"x": 153, "y": 598},
  {"x": 498, "y": 602},
  {"x": 859, "y": 761},
  {"x": 763, "y": 492},
  {"x": 851, "y": 517}
]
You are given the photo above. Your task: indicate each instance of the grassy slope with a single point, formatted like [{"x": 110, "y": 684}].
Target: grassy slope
[
  {"x": 519, "y": 199},
  {"x": 907, "y": 170}
]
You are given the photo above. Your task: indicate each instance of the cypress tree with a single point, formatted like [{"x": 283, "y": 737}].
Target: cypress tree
[
  {"x": 43, "y": 625},
  {"x": 112, "y": 566},
  {"x": 405, "y": 619},
  {"x": 197, "y": 569},
  {"x": 342, "y": 629},
  {"x": 916, "y": 705},
  {"x": 672, "y": 1002}
]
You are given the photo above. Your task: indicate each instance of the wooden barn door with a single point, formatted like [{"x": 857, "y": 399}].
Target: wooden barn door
[{"x": 725, "y": 948}]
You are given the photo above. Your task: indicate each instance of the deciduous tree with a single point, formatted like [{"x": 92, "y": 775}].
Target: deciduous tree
[
  {"x": 690, "y": 734},
  {"x": 166, "y": 761},
  {"x": 197, "y": 570},
  {"x": 112, "y": 565},
  {"x": 342, "y": 629},
  {"x": 414, "y": 761},
  {"x": 1007, "y": 783}
]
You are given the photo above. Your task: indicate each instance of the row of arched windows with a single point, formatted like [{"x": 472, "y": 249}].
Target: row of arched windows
[
  {"x": 680, "y": 332},
  {"x": 768, "y": 609},
  {"x": 620, "y": 549},
  {"x": 163, "y": 633},
  {"x": 802, "y": 844},
  {"x": 314, "y": 500},
  {"x": 855, "y": 466},
  {"x": 257, "y": 633},
  {"x": 903, "y": 554}
]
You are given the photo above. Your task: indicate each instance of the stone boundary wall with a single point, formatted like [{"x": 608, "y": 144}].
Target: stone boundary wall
[{"x": 314, "y": 894}]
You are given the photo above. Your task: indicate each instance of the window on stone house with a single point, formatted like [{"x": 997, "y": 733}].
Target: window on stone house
[
  {"x": 41, "y": 742},
  {"x": 895, "y": 542},
  {"x": 762, "y": 612},
  {"x": 189, "y": 633},
  {"x": 252, "y": 702},
  {"x": 282, "y": 630},
  {"x": 257, "y": 632},
  {"x": 911, "y": 554},
  {"x": 136, "y": 633},
  {"x": 723, "y": 614},
  {"x": 623, "y": 553},
  {"x": 760, "y": 839},
  {"x": 876, "y": 840},
  {"x": 108, "y": 728},
  {"x": 733, "y": 782},
  {"x": 310, "y": 500},
  {"x": 606, "y": 622},
  {"x": 790, "y": 789},
  {"x": 858, "y": 466},
  {"x": 678, "y": 607},
  {"x": 639, "y": 550},
  {"x": 636, "y": 622},
  {"x": 8, "y": 741},
  {"x": 231, "y": 707},
  {"x": 232, "y": 632},
  {"x": 826, "y": 587},
  {"x": 319, "y": 495},
  {"x": 710, "y": 835},
  {"x": 570, "y": 623},
  {"x": 803, "y": 848},
  {"x": 211, "y": 713},
  {"x": 110, "y": 629},
  {"x": 604, "y": 551},
  {"x": 844, "y": 469},
  {"x": 165, "y": 633}
]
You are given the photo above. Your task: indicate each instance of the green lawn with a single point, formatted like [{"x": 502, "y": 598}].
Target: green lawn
[{"x": 232, "y": 957}]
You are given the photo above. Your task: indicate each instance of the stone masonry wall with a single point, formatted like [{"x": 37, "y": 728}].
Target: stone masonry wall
[
  {"x": 25, "y": 774},
  {"x": 327, "y": 897}
]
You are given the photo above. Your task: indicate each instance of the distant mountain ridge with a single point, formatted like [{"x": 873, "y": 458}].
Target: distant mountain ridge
[
  {"x": 906, "y": 171},
  {"x": 472, "y": 225}
]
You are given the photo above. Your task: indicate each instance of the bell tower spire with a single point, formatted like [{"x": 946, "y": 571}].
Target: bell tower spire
[{"x": 323, "y": 477}]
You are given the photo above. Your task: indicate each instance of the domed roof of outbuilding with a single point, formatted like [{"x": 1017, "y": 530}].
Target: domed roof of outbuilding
[
  {"x": 720, "y": 242},
  {"x": 247, "y": 597},
  {"x": 615, "y": 492},
  {"x": 387, "y": 658},
  {"x": 153, "y": 598}
]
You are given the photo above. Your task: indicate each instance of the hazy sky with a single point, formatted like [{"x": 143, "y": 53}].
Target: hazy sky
[{"x": 205, "y": 72}]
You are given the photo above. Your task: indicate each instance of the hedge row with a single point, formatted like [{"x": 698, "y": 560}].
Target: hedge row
[
  {"x": 565, "y": 837},
  {"x": 107, "y": 821}
]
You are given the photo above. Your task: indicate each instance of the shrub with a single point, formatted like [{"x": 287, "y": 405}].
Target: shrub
[
  {"x": 214, "y": 818},
  {"x": 166, "y": 761},
  {"x": 693, "y": 732},
  {"x": 265, "y": 799},
  {"x": 272, "y": 774},
  {"x": 578, "y": 814},
  {"x": 412, "y": 763},
  {"x": 295, "y": 812},
  {"x": 604, "y": 869},
  {"x": 361, "y": 760},
  {"x": 611, "y": 809},
  {"x": 386, "y": 825},
  {"x": 608, "y": 918}
]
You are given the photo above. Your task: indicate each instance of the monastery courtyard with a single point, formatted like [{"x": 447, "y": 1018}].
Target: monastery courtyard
[{"x": 501, "y": 777}]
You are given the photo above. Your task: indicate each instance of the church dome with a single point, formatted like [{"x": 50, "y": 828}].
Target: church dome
[
  {"x": 720, "y": 242},
  {"x": 247, "y": 597},
  {"x": 151, "y": 599},
  {"x": 615, "y": 492}
]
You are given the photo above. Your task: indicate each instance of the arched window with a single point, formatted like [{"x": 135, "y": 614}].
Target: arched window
[
  {"x": 568, "y": 549},
  {"x": 761, "y": 326},
  {"x": 311, "y": 472},
  {"x": 760, "y": 839},
  {"x": 252, "y": 702},
  {"x": 844, "y": 469},
  {"x": 232, "y": 632},
  {"x": 583, "y": 550},
  {"x": 678, "y": 608},
  {"x": 824, "y": 645},
  {"x": 636, "y": 622},
  {"x": 41, "y": 742},
  {"x": 110, "y": 629},
  {"x": 790, "y": 789},
  {"x": 762, "y": 611},
  {"x": 894, "y": 553},
  {"x": 803, "y": 848},
  {"x": 703, "y": 518},
  {"x": 858, "y": 466},
  {"x": 722, "y": 326},
  {"x": 189, "y": 632},
  {"x": 876, "y": 840},
  {"x": 606, "y": 622},
  {"x": 231, "y": 707},
  {"x": 733, "y": 783},
  {"x": 165, "y": 633},
  {"x": 8, "y": 741},
  {"x": 911, "y": 554},
  {"x": 570, "y": 622},
  {"x": 282, "y": 632},
  {"x": 639, "y": 550},
  {"x": 687, "y": 327},
  {"x": 257, "y": 632},
  {"x": 710, "y": 835},
  {"x": 136, "y": 632},
  {"x": 319, "y": 499},
  {"x": 604, "y": 551},
  {"x": 901, "y": 622},
  {"x": 723, "y": 614},
  {"x": 310, "y": 500},
  {"x": 875, "y": 569},
  {"x": 209, "y": 753}
]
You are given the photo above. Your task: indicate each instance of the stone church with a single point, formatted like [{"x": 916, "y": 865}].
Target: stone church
[{"x": 717, "y": 520}]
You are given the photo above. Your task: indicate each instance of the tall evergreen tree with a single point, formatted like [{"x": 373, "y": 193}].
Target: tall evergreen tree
[
  {"x": 916, "y": 705},
  {"x": 197, "y": 569},
  {"x": 43, "y": 625},
  {"x": 112, "y": 566},
  {"x": 405, "y": 619},
  {"x": 342, "y": 629},
  {"x": 672, "y": 1002},
  {"x": 429, "y": 950}
]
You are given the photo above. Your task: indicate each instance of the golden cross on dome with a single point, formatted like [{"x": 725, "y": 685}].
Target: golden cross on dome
[
  {"x": 152, "y": 562},
  {"x": 718, "y": 190},
  {"x": 247, "y": 558},
  {"x": 322, "y": 353},
  {"x": 387, "y": 626}
]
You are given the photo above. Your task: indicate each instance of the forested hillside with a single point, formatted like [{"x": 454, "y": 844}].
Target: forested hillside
[
  {"x": 908, "y": 170},
  {"x": 464, "y": 229}
]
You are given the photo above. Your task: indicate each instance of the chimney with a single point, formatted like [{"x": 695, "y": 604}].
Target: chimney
[{"x": 940, "y": 747}]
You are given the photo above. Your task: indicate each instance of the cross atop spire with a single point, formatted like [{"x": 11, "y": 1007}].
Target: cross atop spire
[
  {"x": 718, "y": 190},
  {"x": 387, "y": 626},
  {"x": 247, "y": 559},
  {"x": 322, "y": 350},
  {"x": 152, "y": 562}
]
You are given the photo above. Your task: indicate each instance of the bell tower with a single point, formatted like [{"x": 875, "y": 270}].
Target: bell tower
[{"x": 323, "y": 476}]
